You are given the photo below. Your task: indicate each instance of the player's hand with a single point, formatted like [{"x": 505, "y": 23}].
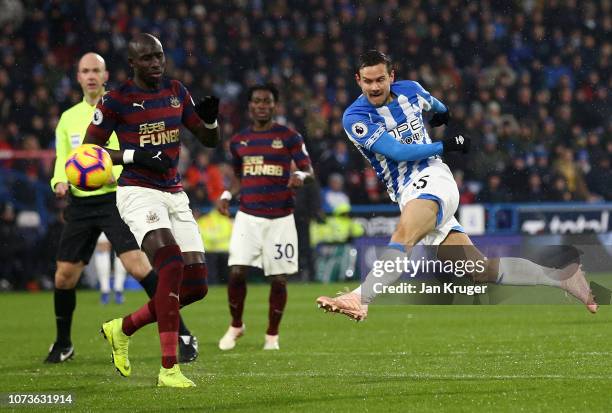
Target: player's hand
[
  {"x": 111, "y": 179},
  {"x": 208, "y": 109},
  {"x": 156, "y": 161},
  {"x": 61, "y": 189},
  {"x": 295, "y": 181},
  {"x": 223, "y": 207},
  {"x": 439, "y": 119},
  {"x": 458, "y": 143}
]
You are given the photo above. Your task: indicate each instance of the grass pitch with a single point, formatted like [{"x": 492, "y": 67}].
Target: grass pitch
[{"x": 403, "y": 358}]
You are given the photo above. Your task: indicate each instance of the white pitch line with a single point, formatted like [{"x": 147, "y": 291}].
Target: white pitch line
[
  {"x": 415, "y": 376},
  {"x": 408, "y": 353}
]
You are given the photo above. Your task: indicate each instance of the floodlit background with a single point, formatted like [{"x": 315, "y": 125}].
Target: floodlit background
[{"x": 529, "y": 81}]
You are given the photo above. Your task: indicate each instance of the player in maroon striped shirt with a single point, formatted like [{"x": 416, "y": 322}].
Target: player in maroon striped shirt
[
  {"x": 146, "y": 112},
  {"x": 264, "y": 233}
]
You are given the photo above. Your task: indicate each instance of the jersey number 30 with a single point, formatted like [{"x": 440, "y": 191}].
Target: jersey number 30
[{"x": 286, "y": 251}]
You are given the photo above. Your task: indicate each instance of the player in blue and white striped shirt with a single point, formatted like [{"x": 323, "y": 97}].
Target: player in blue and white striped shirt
[{"x": 387, "y": 125}]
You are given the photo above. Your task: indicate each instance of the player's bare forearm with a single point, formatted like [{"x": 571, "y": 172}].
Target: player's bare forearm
[
  {"x": 309, "y": 173},
  {"x": 207, "y": 137},
  {"x": 301, "y": 177}
]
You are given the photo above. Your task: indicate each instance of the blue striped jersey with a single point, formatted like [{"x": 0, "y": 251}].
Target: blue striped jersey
[{"x": 402, "y": 118}]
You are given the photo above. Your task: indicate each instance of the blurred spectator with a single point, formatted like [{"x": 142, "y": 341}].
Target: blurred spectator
[
  {"x": 216, "y": 231},
  {"x": 599, "y": 179},
  {"x": 516, "y": 76},
  {"x": 335, "y": 160},
  {"x": 566, "y": 167},
  {"x": 11, "y": 249},
  {"x": 466, "y": 196},
  {"x": 515, "y": 177},
  {"x": 559, "y": 190},
  {"x": 487, "y": 159},
  {"x": 493, "y": 191},
  {"x": 307, "y": 209},
  {"x": 203, "y": 181},
  {"x": 333, "y": 195},
  {"x": 535, "y": 189}
]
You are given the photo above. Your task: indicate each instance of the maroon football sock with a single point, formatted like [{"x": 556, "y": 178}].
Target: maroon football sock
[
  {"x": 278, "y": 299},
  {"x": 168, "y": 263},
  {"x": 139, "y": 318},
  {"x": 236, "y": 293},
  {"x": 194, "y": 286}
]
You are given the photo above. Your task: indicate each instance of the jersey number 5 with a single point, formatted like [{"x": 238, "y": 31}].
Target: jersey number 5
[{"x": 421, "y": 183}]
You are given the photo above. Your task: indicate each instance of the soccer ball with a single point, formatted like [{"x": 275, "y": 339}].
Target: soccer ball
[{"x": 89, "y": 167}]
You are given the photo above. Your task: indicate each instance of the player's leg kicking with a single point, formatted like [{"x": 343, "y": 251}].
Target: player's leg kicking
[
  {"x": 77, "y": 243},
  {"x": 427, "y": 217}
]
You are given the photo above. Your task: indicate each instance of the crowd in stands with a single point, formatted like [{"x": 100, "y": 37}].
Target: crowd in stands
[{"x": 529, "y": 81}]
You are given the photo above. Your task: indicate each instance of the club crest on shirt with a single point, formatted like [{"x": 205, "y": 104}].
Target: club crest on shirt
[
  {"x": 97, "y": 117},
  {"x": 174, "y": 102},
  {"x": 151, "y": 217},
  {"x": 277, "y": 144},
  {"x": 359, "y": 129}
]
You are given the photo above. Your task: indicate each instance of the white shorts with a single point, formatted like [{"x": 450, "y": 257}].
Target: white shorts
[
  {"x": 146, "y": 209},
  {"x": 436, "y": 183},
  {"x": 270, "y": 244}
]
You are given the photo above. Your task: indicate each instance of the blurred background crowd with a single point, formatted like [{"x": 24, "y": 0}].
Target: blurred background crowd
[{"x": 528, "y": 80}]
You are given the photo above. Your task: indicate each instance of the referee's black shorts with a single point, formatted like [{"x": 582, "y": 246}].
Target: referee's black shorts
[{"x": 86, "y": 218}]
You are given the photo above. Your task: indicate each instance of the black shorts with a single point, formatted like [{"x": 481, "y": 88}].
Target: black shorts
[{"x": 86, "y": 218}]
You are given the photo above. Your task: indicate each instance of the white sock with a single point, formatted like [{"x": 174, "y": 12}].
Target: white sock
[
  {"x": 383, "y": 278},
  {"x": 119, "y": 275},
  {"x": 519, "y": 271},
  {"x": 102, "y": 264}
]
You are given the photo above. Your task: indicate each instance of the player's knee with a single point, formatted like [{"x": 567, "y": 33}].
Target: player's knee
[
  {"x": 278, "y": 284},
  {"x": 200, "y": 292},
  {"x": 138, "y": 266},
  {"x": 67, "y": 275},
  {"x": 237, "y": 275},
  {"x": 195, "y": 283},
  {"x": 192, "y": 294},
  {"x": 406, "y": 237}
]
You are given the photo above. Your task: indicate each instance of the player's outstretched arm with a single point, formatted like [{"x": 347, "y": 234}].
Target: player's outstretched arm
[
  {"x": 156, "y": 161},
  {"x": 386, "y": 145},
  {"x": 208, "y": 110},
  {"x": 441, "y": 113}
]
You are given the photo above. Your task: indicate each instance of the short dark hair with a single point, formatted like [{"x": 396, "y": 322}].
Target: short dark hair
[
  {"x": 373, "y": 58},
  {"x": 269, "y": 87}
]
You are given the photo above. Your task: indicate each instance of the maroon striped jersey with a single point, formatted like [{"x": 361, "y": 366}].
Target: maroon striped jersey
[
  {"x": 146, "y": 120},
  {"x": 262, "y": 161}
]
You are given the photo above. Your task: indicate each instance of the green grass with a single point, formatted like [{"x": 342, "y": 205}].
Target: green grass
[{"x": 403, "y": 358}]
